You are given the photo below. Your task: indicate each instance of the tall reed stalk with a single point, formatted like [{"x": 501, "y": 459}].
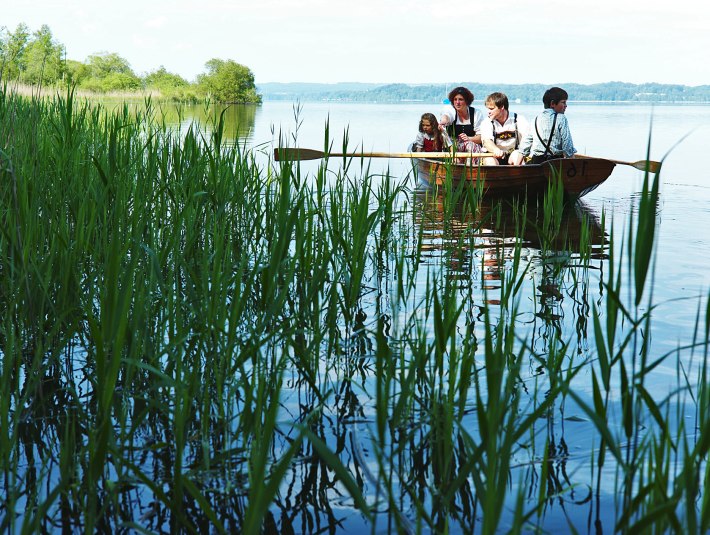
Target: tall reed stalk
[{"x": 196, "y": 339}]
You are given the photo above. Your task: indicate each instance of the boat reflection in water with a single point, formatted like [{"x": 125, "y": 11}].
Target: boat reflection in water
[
  {"x": 489, "y": 244},
  {"x": 560, "y": 250},
  {"x": 491, "y": 225}
]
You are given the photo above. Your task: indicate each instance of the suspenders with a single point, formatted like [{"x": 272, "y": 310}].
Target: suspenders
[
  {"x": 549, "y": 141},
  {"x": 496, "y": 134},
  {"x": 457, "y": 128}
]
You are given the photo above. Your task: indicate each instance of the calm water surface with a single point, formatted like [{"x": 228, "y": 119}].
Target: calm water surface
[
  {"x": 618, "y": 131},
  {"x": 682, "y": 278}
]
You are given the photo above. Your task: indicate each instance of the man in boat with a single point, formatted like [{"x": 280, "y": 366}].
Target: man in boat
[
  {"x": 550, "y": 138},
  {"x": 502, "y": 132}
]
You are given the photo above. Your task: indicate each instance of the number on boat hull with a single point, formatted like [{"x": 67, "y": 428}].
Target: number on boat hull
[{"x": 572, "y": 169}]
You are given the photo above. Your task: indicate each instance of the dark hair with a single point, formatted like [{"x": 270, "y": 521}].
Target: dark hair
[
  {"x": 460, "y": 90},
  {"x": 554, "y": 94},
  {"x": 499, "y": 99}
]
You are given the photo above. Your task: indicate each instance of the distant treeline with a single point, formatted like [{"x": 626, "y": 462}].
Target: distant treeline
[
  {"x": 526, "y": 93},
  {"x": 38, "y": 59}
]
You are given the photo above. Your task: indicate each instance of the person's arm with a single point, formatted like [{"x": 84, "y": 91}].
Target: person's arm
[
  {"x": 477, "y": 122},
  {"x": 448, "y": 144},
  {"x": 418, "y": 144},
  {"x": 566, "y": 143},
  {"x": 486, "y": 139},
  {"x": 526, "y": 145},
  {"x": 524, "y": 131},
  {"x": 491, "y": 147},
  {"x": 446, "y": 117}
]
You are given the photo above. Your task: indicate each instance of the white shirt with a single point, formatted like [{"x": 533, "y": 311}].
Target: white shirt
[
  {"x": 450, "y": 113},
  {"x": 489, "y": 129}
]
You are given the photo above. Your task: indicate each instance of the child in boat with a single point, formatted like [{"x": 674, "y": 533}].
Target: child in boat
[
  {"x": 502, "y": 133},
  {"x": 550, "y": 138},
  {"x": 430, "y": 138}
]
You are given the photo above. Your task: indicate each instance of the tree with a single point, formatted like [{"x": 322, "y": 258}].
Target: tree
[
  {"x": 77, "y": 72},
  {"x": 13, "y": 49},
  {"x": 104, "y": 63},
  {"x": 163, "y": 80},
  {"x": 228, "y": 81},
  {"x": 43, "y": 59},
  {"x": 109, "y": 72}
]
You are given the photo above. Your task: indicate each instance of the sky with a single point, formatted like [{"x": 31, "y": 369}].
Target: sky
[{"x": 387, "y": 41}]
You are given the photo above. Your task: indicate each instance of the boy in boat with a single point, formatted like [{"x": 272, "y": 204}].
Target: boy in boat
[
  {"x": 550, "y": 137},
  {"x": 430, "y": 138},
  {"x": 502, "y": 133}
]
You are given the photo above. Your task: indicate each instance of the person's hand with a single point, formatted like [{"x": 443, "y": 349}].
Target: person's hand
[
  {"x": 516, "y": 158},
  {"x": 463, "y": 137},
  {"x": 498, "y": 153}
]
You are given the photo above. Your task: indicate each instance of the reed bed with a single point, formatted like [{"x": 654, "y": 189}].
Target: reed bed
[{"x": 196, "y": 340}]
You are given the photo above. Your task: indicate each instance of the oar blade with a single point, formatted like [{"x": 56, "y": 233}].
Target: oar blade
[
  {"x": 292, "y": 154},
  {"x": 643, "y": 165}
]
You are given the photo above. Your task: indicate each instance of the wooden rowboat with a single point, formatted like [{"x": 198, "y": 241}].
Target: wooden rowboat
[{"x": 579, "y": 175}]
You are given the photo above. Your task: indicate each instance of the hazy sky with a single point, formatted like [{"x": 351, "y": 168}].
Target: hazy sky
[{"x": 403, "y": 41}]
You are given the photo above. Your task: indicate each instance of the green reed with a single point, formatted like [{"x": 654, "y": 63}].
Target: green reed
[{"x": 196, "y": 339}]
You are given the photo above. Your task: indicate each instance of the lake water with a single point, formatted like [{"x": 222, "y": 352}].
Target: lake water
[
  {"x": 619, "y": 131},
  {"x": 677, "y": 133},
  {"x": 309, "y": 499}
]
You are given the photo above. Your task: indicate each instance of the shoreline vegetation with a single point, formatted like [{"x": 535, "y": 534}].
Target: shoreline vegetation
[
  {"x": 192, "y": 341},
  {"x": 156, "y": 95},
  {"x": 38, "y": 61}
]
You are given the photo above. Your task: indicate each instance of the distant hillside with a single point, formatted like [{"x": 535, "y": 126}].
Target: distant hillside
[
  {"x": 606, "y": 92},
  {"x": 296, "y": 90}
]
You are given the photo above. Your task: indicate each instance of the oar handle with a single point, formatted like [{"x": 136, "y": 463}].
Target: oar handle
[
  {"x": 295, "y": 153},
  {"x": 411, "y": 154}
]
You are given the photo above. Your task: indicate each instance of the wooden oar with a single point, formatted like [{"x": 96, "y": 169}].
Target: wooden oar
[
  {"x": 293, "y": 154},
  {"x": 653, "y": 167}
]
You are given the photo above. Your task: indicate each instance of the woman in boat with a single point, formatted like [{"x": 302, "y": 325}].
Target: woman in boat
[
  {"x": 430, "y": 138},
  {"x": 502, "y": 133},
  {"x": 550, "y": 137},
  {"x": 462, "y": 120}
]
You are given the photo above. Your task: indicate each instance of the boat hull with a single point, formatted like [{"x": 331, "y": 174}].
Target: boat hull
[{"x": 579, "y": 175}]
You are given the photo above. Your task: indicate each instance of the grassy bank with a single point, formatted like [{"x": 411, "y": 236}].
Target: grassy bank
[{"x": 194, "y": 340}]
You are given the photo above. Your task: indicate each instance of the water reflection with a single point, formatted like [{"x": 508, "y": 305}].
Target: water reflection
[
  {"x": 239, "y": 119},
  {"x": 478, "y": 239},
  {"x": 500, "y": 221},
  {"x": 220, "y": 380},
  {"x": 479, "y": 242},
  {"x": 238, "y": 125}
]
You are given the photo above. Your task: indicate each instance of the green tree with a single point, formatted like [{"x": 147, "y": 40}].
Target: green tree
[
  {"x": 12, "y": 48},
  {"x": 77, "y": 72},
  {"x": 109, "y": 72},
  {"x": 228, "y": 81},
  {"x": 163, "y": 80},
  {"x": 43, "y": 59}
]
